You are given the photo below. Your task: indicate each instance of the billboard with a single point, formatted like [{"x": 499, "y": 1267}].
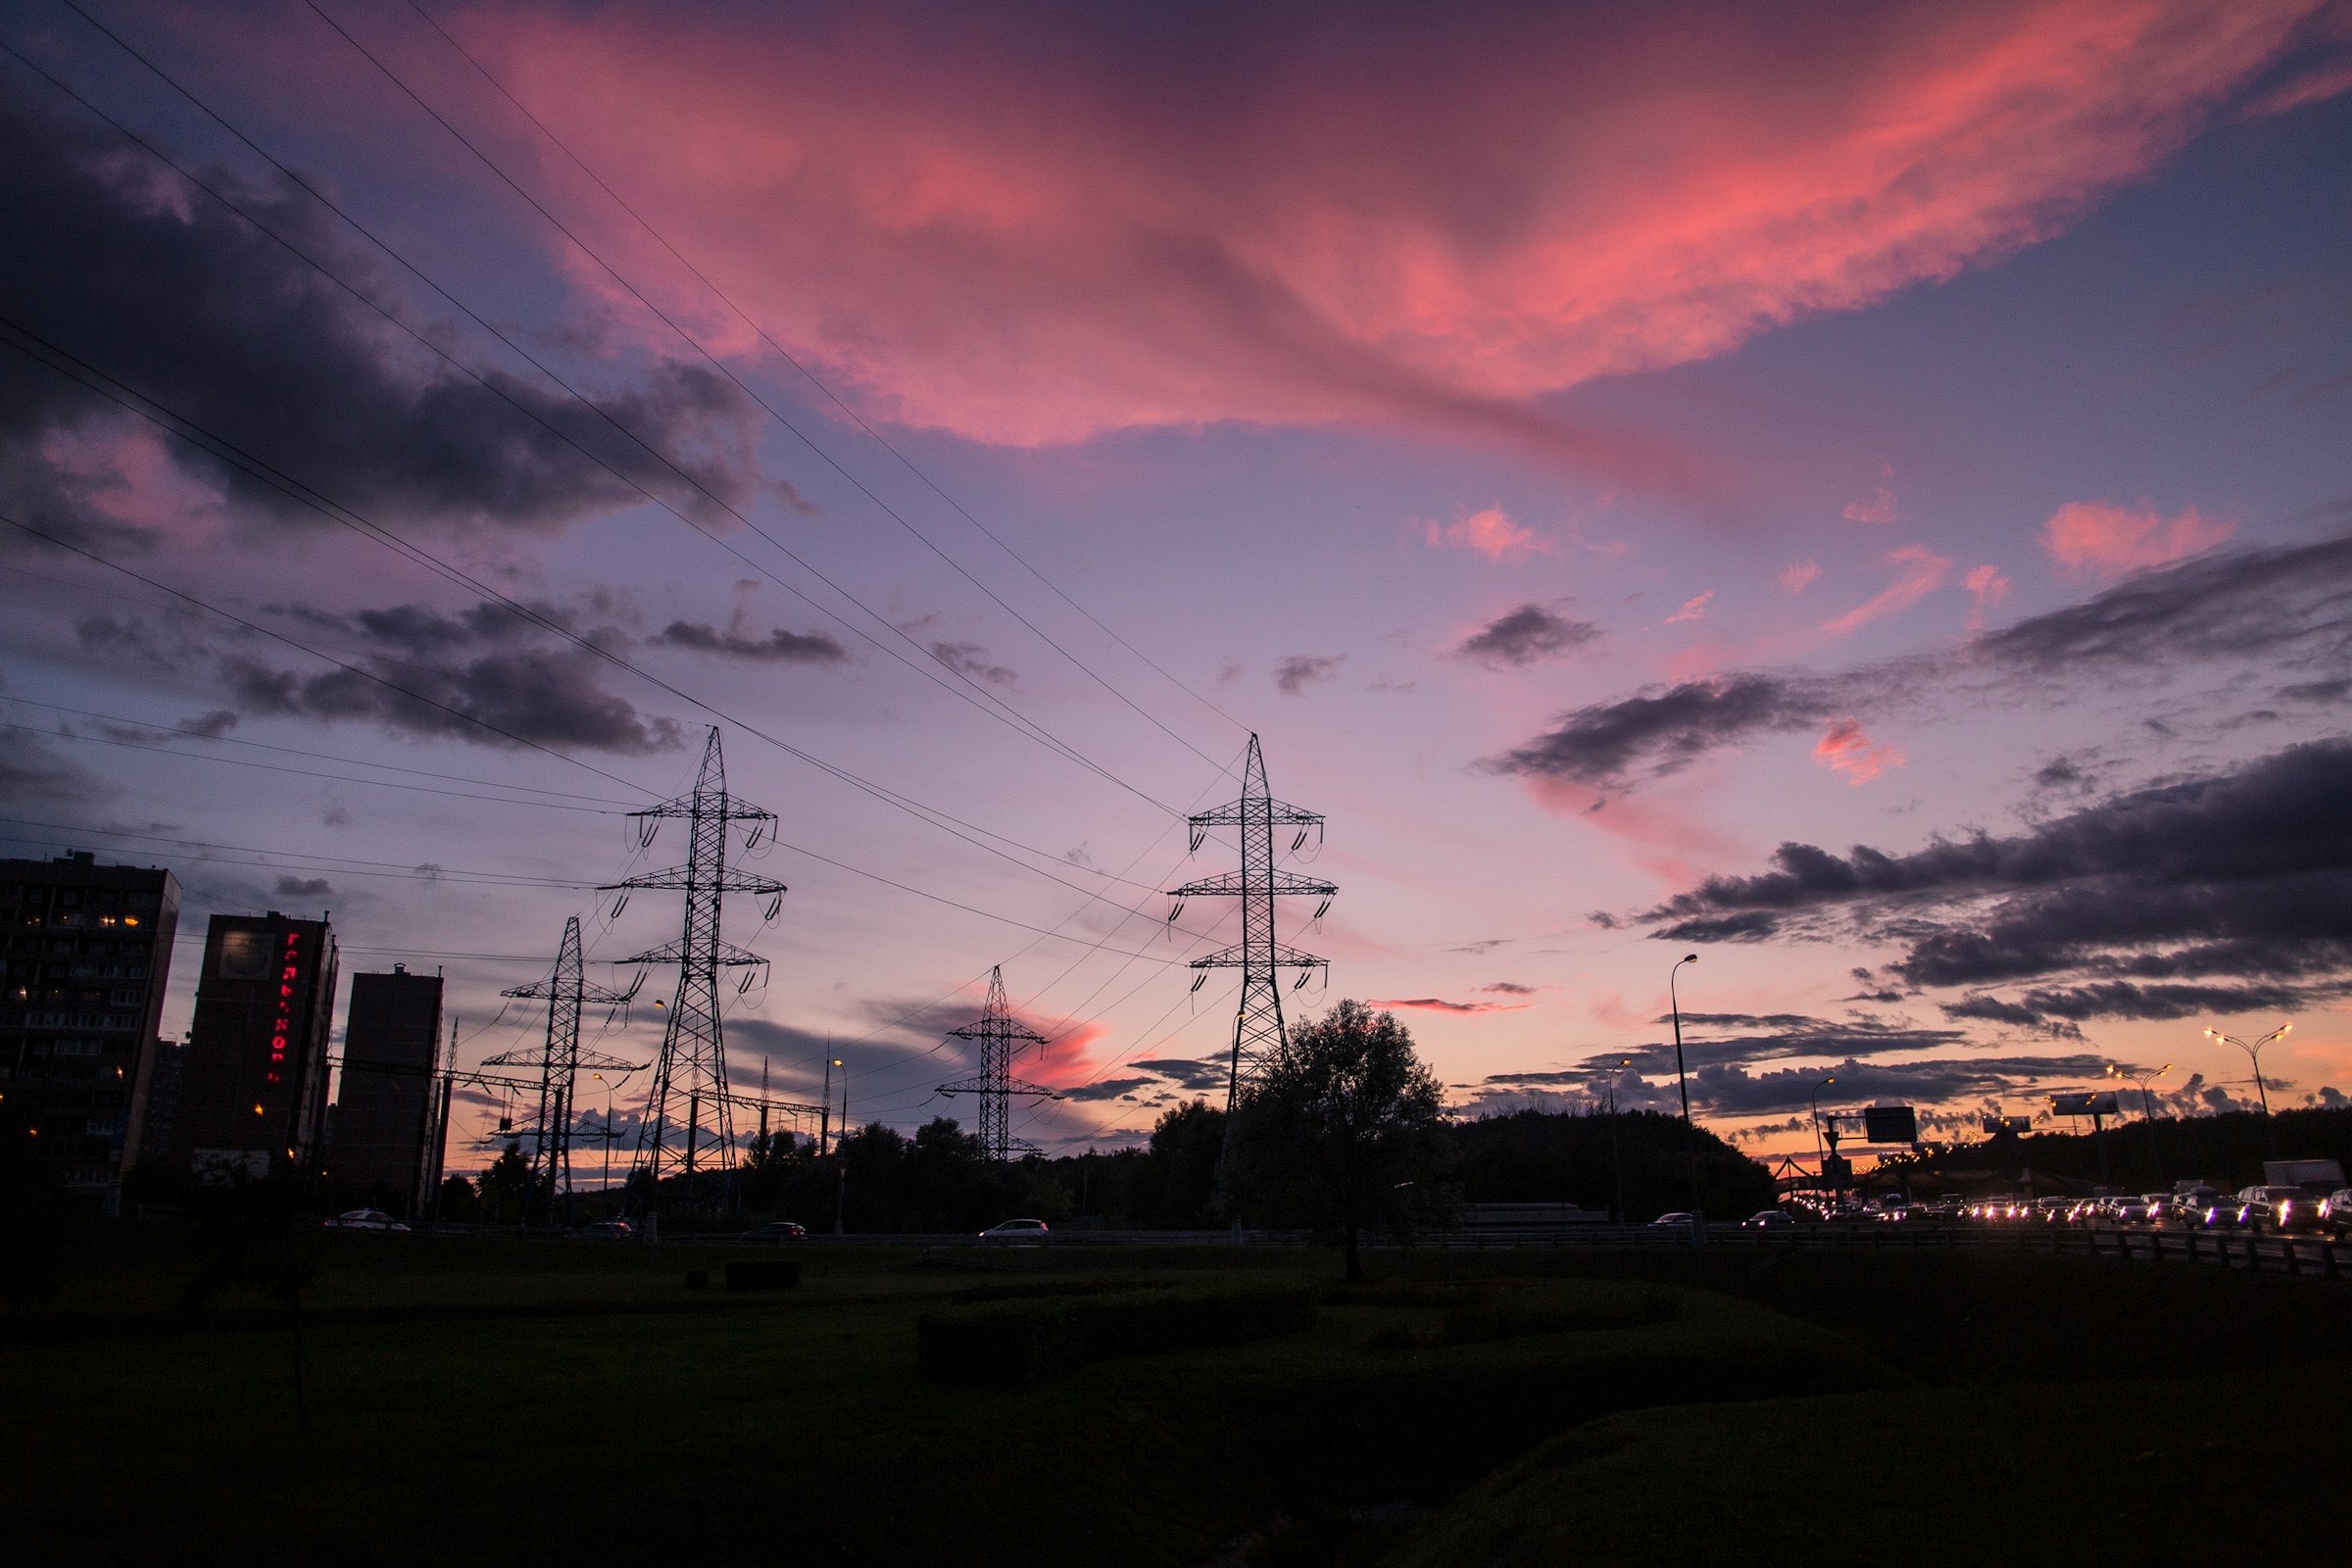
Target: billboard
[
  {"x": 2085, "y": 1105},
  {"x": 2007, "y": 1126},
  {"x": 1890, "y": 1124}
]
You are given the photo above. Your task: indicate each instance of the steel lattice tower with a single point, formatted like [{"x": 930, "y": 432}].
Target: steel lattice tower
[
  {"x": 999, "y": 1035},
  {"x": 560, "y": 1062},
  {"x": 1257, "y": 1026},
  {"x": 689, "y": 1115}
]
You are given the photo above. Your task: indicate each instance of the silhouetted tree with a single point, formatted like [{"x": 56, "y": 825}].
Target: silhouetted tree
[
  {"x": 1178, "y": 1185},
  {"x": 506, "y": 1183},
  {"x": 1340, "y": 1125}
]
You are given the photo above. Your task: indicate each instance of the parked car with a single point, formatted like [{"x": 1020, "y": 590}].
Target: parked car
[
  {"x": 1017, "y": 1232},
  {"x": 364, "y": 1219},
  {"x": 610, "y": 1230},
  {"x": 775, "y": 1231},
  {"x": 1770, "y": 1219},
  {"x": 2336, "y": 1213}
]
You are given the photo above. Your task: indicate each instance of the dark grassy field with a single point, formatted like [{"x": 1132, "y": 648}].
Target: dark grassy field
[{"x": 472, "y": 1401}]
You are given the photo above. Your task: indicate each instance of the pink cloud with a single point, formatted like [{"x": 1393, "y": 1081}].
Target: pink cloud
[
  {"x": 1880, "y": 507},
  {"x": 1027, "y": 235},
  {"x": 1923, "y": 572},
  {"x": 1692, "y": 609},
  {"x": 1493, "y": 534},
  {"x": 2096, "y": 539},
  {"x": 1441, "y": 1004},
  {"x": 1798, "y": 578},
  {"x": 1988, "y": 587},
  {"x": 1846, "y": 749}
]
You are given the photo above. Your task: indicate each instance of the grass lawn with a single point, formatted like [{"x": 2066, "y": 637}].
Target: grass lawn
[
  {"x": 2239, "y": 1469},
  {"x": 476, "y": 1399}
]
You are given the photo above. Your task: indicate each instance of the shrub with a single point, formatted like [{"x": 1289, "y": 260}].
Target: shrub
[
  {"x": 1025, "y": 1341},
  {"x": 1515, "y": 1320},
  {"x": 763, "y": 1273},
  {"x": 1041, "y": 1289}
]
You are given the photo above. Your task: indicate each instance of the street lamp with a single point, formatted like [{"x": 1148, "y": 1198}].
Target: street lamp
[
  {"x": 1698, "y": 1220},
  {"x": 1616, "y": 1164},
  {"x": 1821, "y": 1163},
  {"x": 607, "y": 1189},
  {"x": 841, "y": 1171},
  {"x": 2254, "y": 1053},
  {"x": 2141, "y": 1077}
]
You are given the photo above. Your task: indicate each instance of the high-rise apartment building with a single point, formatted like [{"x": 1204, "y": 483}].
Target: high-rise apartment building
[
  {"x": 87, "y": 950},
  {"x": 252, "y": 1093},
  {"x": 384, "y": 1094}
]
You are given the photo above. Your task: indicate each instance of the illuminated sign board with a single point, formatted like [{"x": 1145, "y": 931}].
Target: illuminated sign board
[
  {"x": 1996, "y": 1126},
  {"x": 2082, "y": 1105},
  {"x": 288, "y": 968}
]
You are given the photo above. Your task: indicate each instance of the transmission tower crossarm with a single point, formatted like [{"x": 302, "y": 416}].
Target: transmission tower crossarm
[
  {"x": 1277, "y": 955},
  {"x": 679, "y": 878},
  {"x": 1235, "y": 884},
  {"x": 1279, "y": 813},
  {"x": 726, "y": 954}
]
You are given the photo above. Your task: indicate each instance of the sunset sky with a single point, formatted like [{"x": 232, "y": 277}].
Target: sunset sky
[{"x": 1857, "y": 493}]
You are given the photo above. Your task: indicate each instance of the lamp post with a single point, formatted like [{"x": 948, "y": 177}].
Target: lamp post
[
  {"x": 1820, "y": 1160},
  {"x": 606, "y": 1187},
  {"x": 841, "y": 1172},
  {"x": 1616, "y": 1162},
  {"x": 1698, "y": 1217},
  {"x": 2254, "y": 1053},
  {"x": 2142, "y": 1077}
]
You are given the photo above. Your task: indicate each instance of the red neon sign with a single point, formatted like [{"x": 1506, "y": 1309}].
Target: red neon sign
[{"x": 289, "y": 963}]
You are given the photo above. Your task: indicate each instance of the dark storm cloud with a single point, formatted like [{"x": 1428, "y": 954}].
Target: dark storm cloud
[
  {"x": 778, "y": 647},
  {"x": 971, "y": 661},
  {"x": 1109, "y": 1088},
  {"x": 1527, "y": 635},
  {"x": 2284, "y": 603},
  {"x": 1658, "y": 731},
  {"x": 303, "y": 887},
  {"x": 31, "y": 772},
  {"x": 548, "y": 697},
  {"x": 1294, "y": 675},
  {"x": 488, "y": 674},
  {"x": 1728, "y": 1090},
  {"x": 248, "y": 341},
  {"x": 1194, "y": 1075},
  {"x": 2222, "y": 893}
]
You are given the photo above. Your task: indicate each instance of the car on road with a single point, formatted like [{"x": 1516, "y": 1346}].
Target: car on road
[
  {"x": 1017, "y": 1233},
  {"x": 610, "y": 1230},
  {"x": 1677, "y": 1221},
  {"x": 2337, "y": 1211},
  {"x": 1769, "y": 1219},
  {"x": 2304, "y": 1214},
  {"x": 775, "y": 1231},
  {"x": 364, "y": 1219}
]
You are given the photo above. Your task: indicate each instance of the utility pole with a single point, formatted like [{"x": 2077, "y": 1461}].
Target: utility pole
[
  {"x": 999, "y": 1035},
  {"x": 692, "y": 1065},
  {"x": 560, "y": 1062},
  {"x": 824, "y": 1115},
  {"x": 1616, "y": 1156},
  {"x": 841, "y": 1168},
  {"x": 1258, "y": 1024},
  {"x": 1699, "y": 1215}
]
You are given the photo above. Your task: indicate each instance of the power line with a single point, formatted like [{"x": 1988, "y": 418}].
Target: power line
[
  {"x": 1004, "y": 712},
  {"x": 300, "y": 773},
  {"x": 294, "y": 751},
  {"x": 883, "y": 506}
]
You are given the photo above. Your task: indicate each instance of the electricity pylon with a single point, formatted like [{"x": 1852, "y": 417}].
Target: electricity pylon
[
  {"x": 1257, "y": 1026},
  {"x": 998, "y": 1036},
  {"x": 560, "y": 1062},
  {"x": 691, "y": 1075}
]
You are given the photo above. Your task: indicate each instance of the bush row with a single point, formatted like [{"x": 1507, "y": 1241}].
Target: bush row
[{"x": 1019, "y": 1341}]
